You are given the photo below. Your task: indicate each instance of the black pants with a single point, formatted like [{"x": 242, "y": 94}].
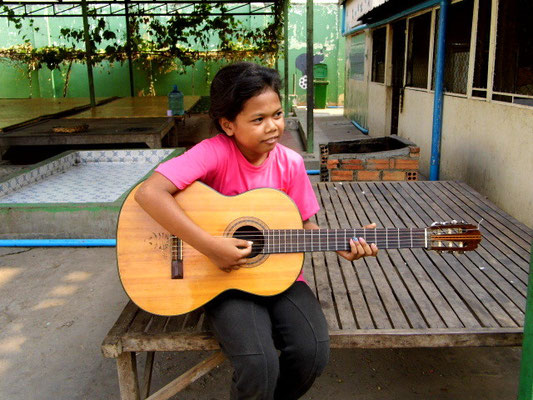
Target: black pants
[{"x": 251, "y": 329}]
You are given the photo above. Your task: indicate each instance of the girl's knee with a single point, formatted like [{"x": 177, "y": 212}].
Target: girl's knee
[
  {"x": 309, "y": 358},
  {"x": 322, "y": 356},
  {"x": 255, "y": 375}
]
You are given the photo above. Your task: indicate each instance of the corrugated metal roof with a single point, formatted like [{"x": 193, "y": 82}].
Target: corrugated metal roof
[{"x": 387, "y": 9}]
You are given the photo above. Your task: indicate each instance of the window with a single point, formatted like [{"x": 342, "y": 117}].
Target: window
[
  {"x": 458, "y": 34},
  {"x": 481, "y": 64},
  {"x": 513, "y": 70},
  {"x": 357, "y": 57},
  {"x": 379, "y": 38},
  {"x": 418, "y": 51}
]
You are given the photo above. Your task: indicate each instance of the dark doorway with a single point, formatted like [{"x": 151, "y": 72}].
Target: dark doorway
[{"x": 398, "y": 61}]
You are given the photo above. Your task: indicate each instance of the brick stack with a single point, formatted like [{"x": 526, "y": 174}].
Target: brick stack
[{"x": 396, "y": 168}]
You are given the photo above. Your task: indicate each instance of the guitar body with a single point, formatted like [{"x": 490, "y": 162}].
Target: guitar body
[{"x": 145, "y": 249}]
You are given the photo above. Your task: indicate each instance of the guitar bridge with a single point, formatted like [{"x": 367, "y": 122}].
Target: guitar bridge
[{"x": 176, "y": 268}]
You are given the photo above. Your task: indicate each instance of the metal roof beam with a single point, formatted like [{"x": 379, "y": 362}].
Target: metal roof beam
[
  {"x": 111, "y": 8},
  {"x": 56, "y": 13},
  {"x": 256, "y": 11},
  {"x": 134, "y": 2},
  {"x": 236, "y": 8}
]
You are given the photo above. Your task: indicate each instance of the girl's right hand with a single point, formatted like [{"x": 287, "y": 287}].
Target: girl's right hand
[{"x": 229, "y": 253}]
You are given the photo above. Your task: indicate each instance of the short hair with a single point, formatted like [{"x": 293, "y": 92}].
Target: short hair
[{"x": 235, "y": 84}]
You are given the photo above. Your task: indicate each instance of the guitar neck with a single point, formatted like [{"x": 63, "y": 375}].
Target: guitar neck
[{"x": 309, "y": 240}]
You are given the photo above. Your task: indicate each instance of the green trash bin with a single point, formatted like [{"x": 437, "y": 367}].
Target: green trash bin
[{"x": 320, "y": 83}]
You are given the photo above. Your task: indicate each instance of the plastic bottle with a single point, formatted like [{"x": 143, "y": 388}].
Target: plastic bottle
[{"x": 175, "y": 101}]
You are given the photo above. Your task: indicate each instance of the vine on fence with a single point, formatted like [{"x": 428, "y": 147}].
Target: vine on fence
[{"x": 155, "y": 43}]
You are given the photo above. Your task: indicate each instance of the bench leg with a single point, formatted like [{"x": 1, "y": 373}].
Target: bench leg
[
  {"x": 147, "y": 380},
  {"x": 184, "y": 380},
  {"x": 127, "y": 376}
]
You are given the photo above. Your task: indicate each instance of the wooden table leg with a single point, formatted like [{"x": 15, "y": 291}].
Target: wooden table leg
[
  {"x": 154, "y": 142},
  {"x": 127, "y": 376}
]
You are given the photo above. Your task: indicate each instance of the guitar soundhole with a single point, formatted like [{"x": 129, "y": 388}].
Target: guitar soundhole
[{"x": 252, "y": 234}]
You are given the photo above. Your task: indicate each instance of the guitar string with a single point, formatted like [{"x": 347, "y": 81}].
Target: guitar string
[
  {"x": 307, "y": 233},
  {"x": 270, "y": 250},
  {"x": 341, "y": 237},
  {"x": 272, "y": 241},
  {"x": 288, "y": 248},
  {"x": 326, "y": 230},
  {"x": 277, "y": 247},
  {"x": 275, "y": 244},
  {"x": 405, "y": 232}
]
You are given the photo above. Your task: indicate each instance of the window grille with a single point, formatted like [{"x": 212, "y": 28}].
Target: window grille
[
  {"x": 513, "y": 70},
  {"x": 418, "y": 51},
  {"x": 458, "y": 34},
  {"x": 481, "y": 63},
  {"x": 379, "y": 38}
]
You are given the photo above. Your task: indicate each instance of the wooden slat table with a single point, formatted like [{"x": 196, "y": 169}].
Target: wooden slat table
[
  {"x": 136, "y": 107},
  {"x": 100, "y": 131},
  {"x": 402, "y": 298},
  {"x": 17, "y": 112}
]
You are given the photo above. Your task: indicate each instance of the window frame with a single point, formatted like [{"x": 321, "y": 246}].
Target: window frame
[{"x": 472, "y": 92}]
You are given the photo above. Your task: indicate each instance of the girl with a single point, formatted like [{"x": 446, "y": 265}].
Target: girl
[{"x": 246, "y": 109}]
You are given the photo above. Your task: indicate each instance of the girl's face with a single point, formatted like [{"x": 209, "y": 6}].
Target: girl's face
[{"x": 258, "y": 127}]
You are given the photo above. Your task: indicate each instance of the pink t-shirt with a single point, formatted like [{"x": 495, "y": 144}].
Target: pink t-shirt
[{"x": 218, "y": 163}]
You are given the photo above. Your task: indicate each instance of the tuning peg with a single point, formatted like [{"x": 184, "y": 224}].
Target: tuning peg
[{"x": 460, "y": 252}]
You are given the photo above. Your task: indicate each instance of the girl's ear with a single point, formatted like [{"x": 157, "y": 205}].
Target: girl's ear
[{"x": 227, "y": 125}]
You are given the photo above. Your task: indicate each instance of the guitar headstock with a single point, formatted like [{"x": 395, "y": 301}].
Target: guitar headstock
[{"x": 453, "y": 236}]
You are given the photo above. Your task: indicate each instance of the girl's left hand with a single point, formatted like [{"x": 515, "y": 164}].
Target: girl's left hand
[{"x": 360, "y": 248}]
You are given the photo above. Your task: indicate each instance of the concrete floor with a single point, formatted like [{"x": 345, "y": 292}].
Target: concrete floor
[{"x": 57, "y": 304}]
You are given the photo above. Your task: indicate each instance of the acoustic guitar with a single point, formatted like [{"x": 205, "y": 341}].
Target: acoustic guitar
[{"x": 164, "y": 275}]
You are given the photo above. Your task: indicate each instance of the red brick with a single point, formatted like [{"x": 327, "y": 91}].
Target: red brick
[
  {"x": 406, "y": 164},
  {"x": 351, "y": 163},
  {"x": 333, "y": 164},
  {"x": 412, "y": 176},
  {"x": 341, "y": 175},
  {"x": 393, "y": 175},
  {"x": 355, "y": 161},
  {"x": 368, "y": 175},
  {"x": 378, "y": 164},
  {"x": 352, "y": 166}
]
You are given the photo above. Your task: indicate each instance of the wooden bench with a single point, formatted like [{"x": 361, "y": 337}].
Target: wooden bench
[{"x": 403, "y": 298}]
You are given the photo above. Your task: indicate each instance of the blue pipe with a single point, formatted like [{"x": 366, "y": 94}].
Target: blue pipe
[
  {"x": 364, "y": 130},
  {"x": 58, "y": 243},
  {"x": 76, "y": 242},
  {"x": 439, "y": 93}
]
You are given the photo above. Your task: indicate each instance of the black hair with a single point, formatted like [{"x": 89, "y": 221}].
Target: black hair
[{"x": 235, "y": 84}]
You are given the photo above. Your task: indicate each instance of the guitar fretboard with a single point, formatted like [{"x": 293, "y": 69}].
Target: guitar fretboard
[{"x": 310, "y": 240}]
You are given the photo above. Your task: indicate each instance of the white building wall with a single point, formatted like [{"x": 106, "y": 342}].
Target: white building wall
[
  {"x": 379, "y": 114},
  {"x": 488, "y": 145}
]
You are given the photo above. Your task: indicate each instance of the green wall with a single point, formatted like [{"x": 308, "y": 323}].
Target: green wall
[
  {"x": 113, "y": 80},
  {"x": 327, "y": 41}
]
